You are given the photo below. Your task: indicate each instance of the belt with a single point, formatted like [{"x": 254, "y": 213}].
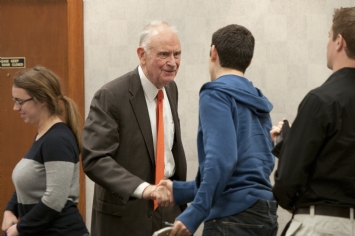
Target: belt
[{"x": 325, "y": 210}]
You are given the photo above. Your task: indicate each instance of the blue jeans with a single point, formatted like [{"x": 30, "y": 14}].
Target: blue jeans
[{"x": 259, "y": 219}]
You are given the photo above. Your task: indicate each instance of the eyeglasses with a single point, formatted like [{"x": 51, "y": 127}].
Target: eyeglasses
[{"x": 19, "y": 103}]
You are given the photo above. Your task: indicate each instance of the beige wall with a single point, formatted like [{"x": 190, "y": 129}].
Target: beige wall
[{"x": 289, "y": 58}]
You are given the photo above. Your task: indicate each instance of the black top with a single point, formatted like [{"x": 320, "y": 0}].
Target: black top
[
  {"x": 47, "y": 186},
  {"x": 317, "y": 160}
]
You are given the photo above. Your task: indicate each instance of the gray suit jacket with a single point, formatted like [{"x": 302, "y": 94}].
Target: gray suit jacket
[{"x": 118, "y": 155}]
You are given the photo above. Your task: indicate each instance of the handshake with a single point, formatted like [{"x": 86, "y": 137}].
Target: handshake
[{"x": 162, "y": 193}]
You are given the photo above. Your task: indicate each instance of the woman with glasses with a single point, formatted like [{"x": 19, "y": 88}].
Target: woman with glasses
[{"x": 47, "y": 178}]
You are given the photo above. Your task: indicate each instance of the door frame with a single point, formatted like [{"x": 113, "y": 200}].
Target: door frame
[{"x": 76, "y": 74}]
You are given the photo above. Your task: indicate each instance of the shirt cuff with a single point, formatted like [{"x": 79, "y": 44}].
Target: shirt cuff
[{"x": 139, "y": 190}]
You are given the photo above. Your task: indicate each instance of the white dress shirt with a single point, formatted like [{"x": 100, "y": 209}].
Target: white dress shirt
[{"x": 150, "y": 92}]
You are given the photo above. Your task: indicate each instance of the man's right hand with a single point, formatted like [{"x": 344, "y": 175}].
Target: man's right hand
[
  {"x": 148, "y": 192},
  {"x": 163, "y": 196},
  {"x": 167, "y": 183},
  {"x": 160, "y": 193},
  {"x": 9, "y": 219},
  {"x": 165, "y": 189}
]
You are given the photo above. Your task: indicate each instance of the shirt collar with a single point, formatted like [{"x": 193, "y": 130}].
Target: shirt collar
[{"x": 149, "y": 89}]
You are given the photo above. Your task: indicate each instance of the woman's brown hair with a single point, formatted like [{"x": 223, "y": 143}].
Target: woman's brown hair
[{"x": 44, "y": 86}]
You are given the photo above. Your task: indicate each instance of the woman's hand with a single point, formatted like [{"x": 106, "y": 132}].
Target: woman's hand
[
  {"x": 9, "y": 219},
  {"x": 12, "y": 231}
]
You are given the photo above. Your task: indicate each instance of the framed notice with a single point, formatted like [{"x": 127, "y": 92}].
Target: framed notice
[{"x": 12, "y": 62}]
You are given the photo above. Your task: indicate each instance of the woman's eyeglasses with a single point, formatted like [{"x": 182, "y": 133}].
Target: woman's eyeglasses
[{"x": 19, "y": 103}]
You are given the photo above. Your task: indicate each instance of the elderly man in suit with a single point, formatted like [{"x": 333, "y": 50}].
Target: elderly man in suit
[{"x": 120, "y": 140}]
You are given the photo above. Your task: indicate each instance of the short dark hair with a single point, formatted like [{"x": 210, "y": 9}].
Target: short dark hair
[
  {"x": 235, "y": 46},
  {"x": 344, "y": 24}
]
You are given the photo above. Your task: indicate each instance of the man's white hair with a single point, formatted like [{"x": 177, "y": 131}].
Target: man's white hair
[{"x": 151, "y": 29}]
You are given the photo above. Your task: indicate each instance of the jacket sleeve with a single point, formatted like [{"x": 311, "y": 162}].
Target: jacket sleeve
[
  {"x": 101, "y": 140},
  {"x": 184, "y": 192},
  {"x": 12, "y": 204},
  {"x": 219, "y": 146}
]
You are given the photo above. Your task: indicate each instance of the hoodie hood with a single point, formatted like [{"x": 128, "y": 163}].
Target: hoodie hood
[{"x": 243, "y": 91}]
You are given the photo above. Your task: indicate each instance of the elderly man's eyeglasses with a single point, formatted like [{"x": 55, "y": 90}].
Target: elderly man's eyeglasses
[{"x": 19, "y": 103}]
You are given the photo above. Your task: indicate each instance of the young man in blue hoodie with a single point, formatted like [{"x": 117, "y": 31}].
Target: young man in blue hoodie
[{"x": 232, "y": 193}]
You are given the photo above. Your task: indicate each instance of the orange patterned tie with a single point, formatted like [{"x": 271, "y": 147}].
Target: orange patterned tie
[{"x": 159, "y": 161}]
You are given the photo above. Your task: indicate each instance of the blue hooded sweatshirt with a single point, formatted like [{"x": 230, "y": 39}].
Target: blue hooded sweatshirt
[{"x": 234, "y": 152}]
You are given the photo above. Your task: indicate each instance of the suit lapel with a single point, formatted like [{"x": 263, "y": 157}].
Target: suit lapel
[
  {"x": 140, "y": 109},
  {"x": 173, "y": 107}
]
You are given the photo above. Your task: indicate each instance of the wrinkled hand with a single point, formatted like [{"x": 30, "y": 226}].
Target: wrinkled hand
[
  {"x": 164, "y": 193},
  {"x": 163, "y": 196},
  {"x": 12, "y": 231},
  {"x": 148, "y": 192},
  {"x": 9, "y": 219},
  {"x": 276, "y": 130},
  {"x": 167, "y": 183},
  {"x": 179, "y": 229},
  {"x": 160, "y": 193}
]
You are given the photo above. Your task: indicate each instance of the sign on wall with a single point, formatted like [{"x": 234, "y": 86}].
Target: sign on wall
[{"x": 12, "y": 62}]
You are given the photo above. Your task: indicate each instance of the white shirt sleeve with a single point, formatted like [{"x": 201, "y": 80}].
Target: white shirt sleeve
[{"x": 139, "y": 190}]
